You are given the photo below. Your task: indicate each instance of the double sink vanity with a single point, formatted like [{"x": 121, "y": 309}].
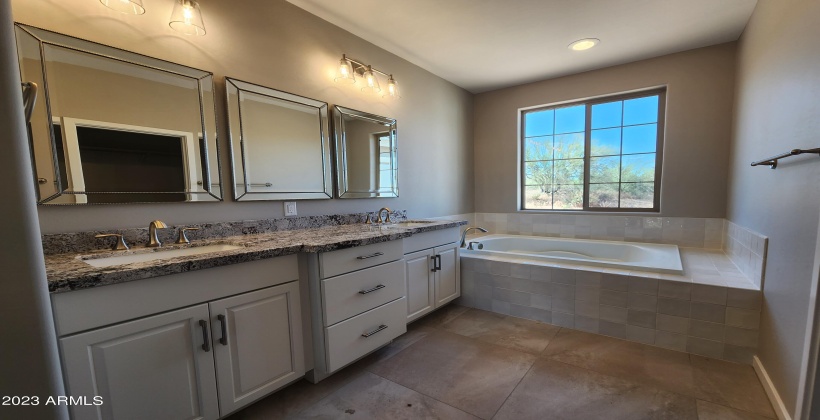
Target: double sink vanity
[
  {"x": 201, "y": 330},
  {"x": 198, "y": 330}
]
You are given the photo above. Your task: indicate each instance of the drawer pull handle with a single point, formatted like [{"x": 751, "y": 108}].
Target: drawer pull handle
[
  {"x": 206, "y": 341},
  {"x": 381, "y": 328},
  {"x": 223, "y": 322},
  {"x": 364, "y": 257},
  {"x": 364, "y": 292}
]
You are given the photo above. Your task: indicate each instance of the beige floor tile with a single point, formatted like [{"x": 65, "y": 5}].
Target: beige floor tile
[
  {"x": 711, "y": 411},
  {"x": 415, "y": 332},
  {"x": 507, "y": 331},
  {"x": 553, "y": 390},
  {"x": 372, "y": 397},
  {"x": 440, "y": 316},
  {"x": 468, "y": 374},
  {"x": 732, "y": 384},
  {"x": 296, "y": 397}
]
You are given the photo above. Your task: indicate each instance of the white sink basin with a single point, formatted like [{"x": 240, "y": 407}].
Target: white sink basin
[{"x": 157, "y": 255}]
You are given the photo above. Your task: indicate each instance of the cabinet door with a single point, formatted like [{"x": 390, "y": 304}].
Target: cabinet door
[
  {"x": 420, "y": 288},
  {"x": 448, "y": 278},
  {"x": 261, "y": 349},
  {"x": 152, "y": 368}
]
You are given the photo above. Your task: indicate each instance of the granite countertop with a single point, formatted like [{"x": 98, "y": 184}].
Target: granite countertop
[{"x": 68, "y": 271}]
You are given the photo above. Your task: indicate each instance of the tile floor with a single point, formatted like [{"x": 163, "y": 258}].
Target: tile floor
[{"x": 461, "y": 363}]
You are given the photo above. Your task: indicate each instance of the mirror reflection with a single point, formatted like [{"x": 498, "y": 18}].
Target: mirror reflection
[
  {"x": 366, "y": 154},
  {"x": 279, "y": 144},
  {"x": 111, "y": 126}
]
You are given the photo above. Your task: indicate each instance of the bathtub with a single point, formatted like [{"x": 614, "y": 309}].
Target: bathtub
[{"x": 633, "y": 256}]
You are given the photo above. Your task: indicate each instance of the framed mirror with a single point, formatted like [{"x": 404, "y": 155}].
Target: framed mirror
[
  {"x": 112, "y": 126},
  {"x": 279, "y": 144},
  {"x": 367, "y": 162}
]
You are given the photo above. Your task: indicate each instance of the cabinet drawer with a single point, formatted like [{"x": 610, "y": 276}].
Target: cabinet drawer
[
  {"x": 346, "y": 340},
  {"x": 343, "y": 261},
  {"x": 360, "y": 291}
]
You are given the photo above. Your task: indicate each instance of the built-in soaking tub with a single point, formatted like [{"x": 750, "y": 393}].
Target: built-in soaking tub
[{"x": 632, "y": 256}]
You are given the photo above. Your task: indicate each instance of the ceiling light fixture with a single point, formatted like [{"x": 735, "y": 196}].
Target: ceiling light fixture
[
  {"x": 349, "y": 70},
  {"x": 584, "y": 44},
  {"x": 131, "y": 7},
  {"x": 187, "y": 18}
]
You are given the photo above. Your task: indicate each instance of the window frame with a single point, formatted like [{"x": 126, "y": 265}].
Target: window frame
[{"x": 588, "y": 104}]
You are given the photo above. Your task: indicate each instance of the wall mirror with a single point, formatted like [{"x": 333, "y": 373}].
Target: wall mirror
[
  {"x": 366, "y": 154},
  {"x": 279, "y": 144},
  {"x": 112, "y": 126}
]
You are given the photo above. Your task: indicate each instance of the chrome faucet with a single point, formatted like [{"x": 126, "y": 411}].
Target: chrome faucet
[
  {"x": 386, "y": 220},
  {"x": 464, "y": 235},
  {"x": 153, "y": 240}
]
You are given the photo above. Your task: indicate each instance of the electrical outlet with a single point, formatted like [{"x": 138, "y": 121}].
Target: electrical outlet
[{"x": 290, "y": 208}]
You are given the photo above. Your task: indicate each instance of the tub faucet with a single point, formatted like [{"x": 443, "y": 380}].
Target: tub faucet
[
  {"x": 385, "y": 220},
  {"x": 464, "y": 235},
  {"x": 153, "y": 240}
]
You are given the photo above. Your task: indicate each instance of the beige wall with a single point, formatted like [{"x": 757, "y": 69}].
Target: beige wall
[
  {"x": 278, "y": 45},
  {"x": 699, "y": 103},
  {"x": 777, "y": 109}
]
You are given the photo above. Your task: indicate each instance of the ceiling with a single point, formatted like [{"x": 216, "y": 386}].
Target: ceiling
[{"x": 483, "y": 45}]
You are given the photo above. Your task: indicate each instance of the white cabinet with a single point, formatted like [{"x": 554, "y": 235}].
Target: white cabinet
[
  {"x": 432, "y": 271},
  {"x": 357, "y": 303},
  {"x": 448, "y": 279},
  {"x": 421, "y": 288},
  {"x": 158, "y": 367},
  {"x": 258, "y": 345},
  {"x": 201, "y": 362}
]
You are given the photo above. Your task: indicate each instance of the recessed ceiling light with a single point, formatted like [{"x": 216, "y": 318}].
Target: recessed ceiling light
[{"x": 584, "y": 44}]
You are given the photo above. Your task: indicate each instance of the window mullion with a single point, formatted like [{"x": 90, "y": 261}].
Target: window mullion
[{"x": 587, "y": 153}]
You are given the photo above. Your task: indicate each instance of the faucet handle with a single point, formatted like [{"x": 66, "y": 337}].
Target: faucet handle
[
  {"x": 183, "y": 238},
  {"x": 120, "y": 245},
  {"x": 367, "y": 220}
]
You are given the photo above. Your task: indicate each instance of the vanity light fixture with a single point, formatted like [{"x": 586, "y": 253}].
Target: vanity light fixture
[
  {"x": 584, "y": 44},
  {"x": 187, "y": 18},
  {"x": 350, "y": 70},
  {"x": 131, "y": 7}
]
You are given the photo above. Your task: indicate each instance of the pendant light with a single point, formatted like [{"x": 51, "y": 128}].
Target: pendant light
[
  {"x": 187, "y": 18},
  {"x": 131, "y": 7}
]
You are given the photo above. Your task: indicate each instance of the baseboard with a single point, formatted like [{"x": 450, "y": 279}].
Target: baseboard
[{"x": 771, "y": 391}]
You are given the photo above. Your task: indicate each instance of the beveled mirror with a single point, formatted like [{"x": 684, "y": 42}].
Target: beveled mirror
[
  {"x": 366, "y": 154},
  {"x": 112, "y": 126},
  {"x": 279, "y": 144}
]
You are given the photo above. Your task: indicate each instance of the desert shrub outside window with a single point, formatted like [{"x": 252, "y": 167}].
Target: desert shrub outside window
[{"x": 602, "y": 154}]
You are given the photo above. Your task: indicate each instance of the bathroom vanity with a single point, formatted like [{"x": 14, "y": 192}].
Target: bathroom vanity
[{"x": 201, "y": 336}]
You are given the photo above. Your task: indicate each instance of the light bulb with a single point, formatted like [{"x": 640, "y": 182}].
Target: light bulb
[
  {"x": 187, "y": 18},
  {"x": 372, "y": 82},
  {"x": 345, "y": 72},
  {"x": 392, "y": 88}
]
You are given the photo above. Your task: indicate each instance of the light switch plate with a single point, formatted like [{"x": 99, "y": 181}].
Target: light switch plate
[{"x": 290, "y": 208}]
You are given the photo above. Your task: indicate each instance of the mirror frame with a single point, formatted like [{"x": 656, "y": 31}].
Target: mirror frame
[
  {"x": 339, "y": 112},
  {"x": 237, "y": 144},
  {"x": 204, "y": 80}
]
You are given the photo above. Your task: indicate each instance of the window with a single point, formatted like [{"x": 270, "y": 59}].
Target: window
[{"x": 598, "y": 155}]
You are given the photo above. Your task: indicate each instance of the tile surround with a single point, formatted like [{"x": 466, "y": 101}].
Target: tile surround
[
  {"x": 714, "y": 320},
  {"x": 747, "y": 249},
  {"x": 689, "y": 232}
]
